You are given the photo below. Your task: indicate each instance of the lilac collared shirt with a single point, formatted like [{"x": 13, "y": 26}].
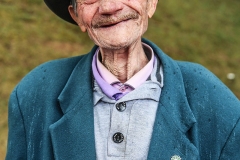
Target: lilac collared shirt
[{"x": 111, "y": 86}]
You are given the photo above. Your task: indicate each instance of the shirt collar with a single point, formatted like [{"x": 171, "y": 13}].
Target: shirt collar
[{"x": 104, "y": 78}]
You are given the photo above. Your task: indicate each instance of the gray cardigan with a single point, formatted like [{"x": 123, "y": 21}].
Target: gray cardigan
[{"x": 51, "y": 113}]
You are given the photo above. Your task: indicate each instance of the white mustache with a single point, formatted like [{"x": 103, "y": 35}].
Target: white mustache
[{"x": 105, "y": 20}]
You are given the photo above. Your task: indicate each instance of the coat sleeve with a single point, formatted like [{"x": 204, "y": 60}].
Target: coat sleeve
[
  {"x": 231, "y": 149},
  {"x": 16, "y": 147}
]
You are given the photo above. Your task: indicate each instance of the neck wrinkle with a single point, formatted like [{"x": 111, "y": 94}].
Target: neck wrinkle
[{"x": 124, "y": 63}]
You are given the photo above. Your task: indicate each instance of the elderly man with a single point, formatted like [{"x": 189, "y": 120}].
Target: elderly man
[{"x": 125, "y": 99}]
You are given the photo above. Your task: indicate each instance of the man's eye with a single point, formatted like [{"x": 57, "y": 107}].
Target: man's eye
[
  {"x": 86, "y": 1},
  {"x": 89, "y": 1}
]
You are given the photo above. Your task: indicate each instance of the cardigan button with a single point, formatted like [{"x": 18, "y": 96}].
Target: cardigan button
[
  {"x": 118, "y": 137},
  {"x": 121, "y": 106}
]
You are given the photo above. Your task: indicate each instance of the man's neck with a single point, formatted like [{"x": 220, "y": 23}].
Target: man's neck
[{"x": 124, "y": 63}]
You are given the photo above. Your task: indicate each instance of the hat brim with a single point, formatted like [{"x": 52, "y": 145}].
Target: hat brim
[{"x": 60, "y": 8}]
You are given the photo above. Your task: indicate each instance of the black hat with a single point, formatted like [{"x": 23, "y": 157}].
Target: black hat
[{"x": 60, "y": 8}]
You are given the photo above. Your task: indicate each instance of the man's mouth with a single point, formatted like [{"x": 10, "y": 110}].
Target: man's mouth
[
  {"x": 111, "y": 24},
  {"x": 108, "y": 21}
]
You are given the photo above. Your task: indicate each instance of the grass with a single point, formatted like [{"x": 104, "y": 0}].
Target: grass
[{"x": 206, "y": 32}]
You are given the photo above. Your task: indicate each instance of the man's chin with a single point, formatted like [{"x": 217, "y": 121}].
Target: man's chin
[
  {"x": 117, "y": 40},
  {"x": 114, "y": 45}
]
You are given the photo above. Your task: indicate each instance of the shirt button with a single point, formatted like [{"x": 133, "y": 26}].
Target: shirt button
[
  {"x": 121, "y": 106},
  {"x": 118, "y": 137}
]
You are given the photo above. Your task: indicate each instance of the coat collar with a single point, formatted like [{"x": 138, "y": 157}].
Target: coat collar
[
  {"x": 79, "y": 86},
  {"x": 174, "y": 116}
]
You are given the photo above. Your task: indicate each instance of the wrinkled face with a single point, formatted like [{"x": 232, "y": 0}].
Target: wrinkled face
[{"x": 113, "y": 24}]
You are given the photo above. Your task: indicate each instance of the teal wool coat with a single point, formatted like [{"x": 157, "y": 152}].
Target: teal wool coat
[{"x": 51, "y": 113}]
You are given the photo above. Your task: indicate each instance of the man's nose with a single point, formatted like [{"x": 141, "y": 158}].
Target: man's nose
[{"x": 110, "y": 6}]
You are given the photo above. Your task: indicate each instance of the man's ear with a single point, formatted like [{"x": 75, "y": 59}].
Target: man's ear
[
  {"x": 76, "y": 18},
  {"x": 152, "y": 5}
]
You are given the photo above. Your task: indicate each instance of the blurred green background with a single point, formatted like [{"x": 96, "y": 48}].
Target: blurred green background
[{"x": 206, "y": 32}]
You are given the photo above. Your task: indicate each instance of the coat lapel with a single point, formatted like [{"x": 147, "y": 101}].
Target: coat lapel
[
  {"x": 73, "y": 135},
  {"x": 174, "y": 117}
]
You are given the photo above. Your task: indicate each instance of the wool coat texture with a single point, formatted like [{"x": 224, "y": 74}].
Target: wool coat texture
[{"x": 51, "y": 113}]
